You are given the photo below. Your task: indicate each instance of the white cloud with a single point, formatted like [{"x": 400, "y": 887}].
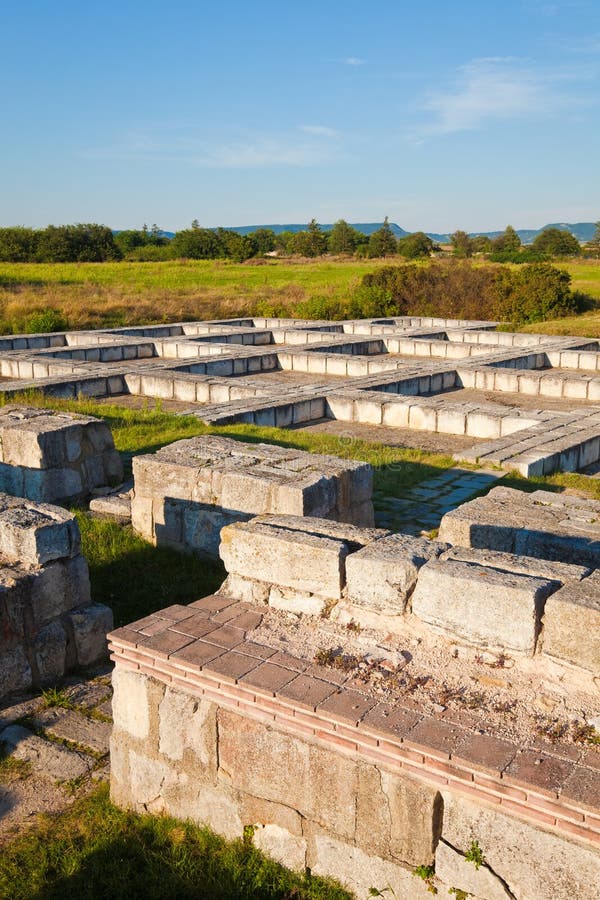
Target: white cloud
[
  {"x": 353, "y": 61},
  {"x": 320, "y": 130},
  {"x": 494, "y": 88},
  {"x": 307, "y": 145}
]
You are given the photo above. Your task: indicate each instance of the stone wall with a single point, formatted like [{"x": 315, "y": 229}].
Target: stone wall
[
  {"x": 251, "y": 741},
  {"x": 498, "y": 601},
  {"x": 48, "y": 623},
  {"x": 53, "y": 457},
  {"x": 185, "y": 493}
]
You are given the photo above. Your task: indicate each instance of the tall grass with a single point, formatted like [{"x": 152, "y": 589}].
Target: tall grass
[{"x": 96, "y": 295}]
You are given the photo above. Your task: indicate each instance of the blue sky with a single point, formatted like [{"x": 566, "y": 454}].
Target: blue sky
[{"x": 440, "y": 115}]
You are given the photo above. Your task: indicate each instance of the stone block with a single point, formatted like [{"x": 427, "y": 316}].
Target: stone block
[
  {"x": 90, "y": 626},
  {"x": 51, "y": 760},
  {"x": 187, "y": 724},
  {"x": 131, "y": 703},
  {"x": 359, "y": 872},
  {"x": 285, "y": 557},
  {"x": 286, "y": 849},
  {"x": 383, "y": 574},
  {"x": 267, "y": 762},
  {"x": 534, "y": 863},
  {"x": 481, "y": 605},
  {"x": 572, "y": 624},
  {"x": 15, "y": 671},
  {"x": 453, "y": 869},
  {"x": 50, "y": 652},
  {"x": 36, "y": 533}
]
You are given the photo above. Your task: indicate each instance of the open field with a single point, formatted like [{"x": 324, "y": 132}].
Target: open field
[{"x": 95, "y": 295}]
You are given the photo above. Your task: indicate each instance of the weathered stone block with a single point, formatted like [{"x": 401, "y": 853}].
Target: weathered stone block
[
  {"x": 453, "y": 869},
  {"x": 267, "y": 762},
  {"x": 36, "y": 533},
  {"x": 481, "y": 605},
  {"x": 90, "y": 626},
  {"x": 572, "y": 624},
  {"x": 289, "y": 558},
  {"x": 187, "y": 724},
  {"x": 383, "y": 574},
  {"x": 534, "y": 863}
]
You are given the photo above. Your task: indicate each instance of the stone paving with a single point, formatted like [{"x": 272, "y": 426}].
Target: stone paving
[
  {"x": 421, "y": 509},
  {"x": 53, "y": 753}
]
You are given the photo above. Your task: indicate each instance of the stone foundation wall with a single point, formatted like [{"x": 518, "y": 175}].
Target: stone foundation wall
[
  {"x": 187, "y": 492},
  {"x": 53, "y": 457},
  {"x": 495, "y": 600},
  {"x": 325, "y": 778},
  {"x": 48, "y": 623}
]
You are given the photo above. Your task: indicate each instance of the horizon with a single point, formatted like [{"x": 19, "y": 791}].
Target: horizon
[{"x": 442, "y": 118}]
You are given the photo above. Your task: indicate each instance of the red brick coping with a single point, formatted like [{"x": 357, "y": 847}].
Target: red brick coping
[{"x": 202, "y": 650}]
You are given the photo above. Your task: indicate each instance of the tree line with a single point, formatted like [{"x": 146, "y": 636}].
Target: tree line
[{"x": 98, "y": 243}]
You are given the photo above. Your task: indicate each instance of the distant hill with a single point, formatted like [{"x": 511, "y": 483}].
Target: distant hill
[{"x": 583, "y": 231}]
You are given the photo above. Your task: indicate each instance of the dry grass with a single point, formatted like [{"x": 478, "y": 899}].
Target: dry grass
[{"x": 101, "y": 295}]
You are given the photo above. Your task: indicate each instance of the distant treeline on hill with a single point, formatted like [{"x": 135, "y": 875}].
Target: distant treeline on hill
[{"x": 98, "y": 243}]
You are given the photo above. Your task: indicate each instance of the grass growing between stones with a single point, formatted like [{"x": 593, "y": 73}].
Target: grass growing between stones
[{"x": 97, "y": 851}]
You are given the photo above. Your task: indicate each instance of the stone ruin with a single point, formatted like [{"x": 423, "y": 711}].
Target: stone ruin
[
  {"x": 285, "y": 705},
  {"x": 55, "y": 457},
  {"x": 525, "y": 402},
  {"x": 49, "y": 623},
  {"x": 188, "y": 491}
]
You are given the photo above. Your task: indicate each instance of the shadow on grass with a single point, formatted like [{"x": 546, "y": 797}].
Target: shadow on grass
[
  {"x": 96, "y": 851},
  {"x": 135, "y": 578}
]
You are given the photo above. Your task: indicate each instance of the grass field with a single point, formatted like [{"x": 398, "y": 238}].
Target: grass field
[
  {"x": 95, "y": 851},
  {"x": 94, "y": 295}
]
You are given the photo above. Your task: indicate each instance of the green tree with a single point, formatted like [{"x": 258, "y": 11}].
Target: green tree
[
  {"x": 311, "y": 242},
  {"x": 416, "y": 245},
  {"x": 263, "y": 240},
  {"x": 557, "y": 242},
  {"x": 462, "y": 244},
  {"x": 196, "y": 243},
  {"x": 481, "y": 243},
  {"x": 18, "y": 244},
  {"x": 343, "y": 238},
  {"x": 507, "y": 242},
  {"x": 76, "y": 243},
  {"x": 383, "y": 241}
]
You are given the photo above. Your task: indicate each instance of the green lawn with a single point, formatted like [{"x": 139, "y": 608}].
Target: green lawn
[{"x": 95, "y": 851}]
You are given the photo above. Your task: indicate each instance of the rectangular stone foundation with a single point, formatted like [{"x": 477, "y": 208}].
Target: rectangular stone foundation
[
  {"x": 54, "y": 457},
  {"x": 187, "y": 492},
  {"x": 48, "y": 623},
  {"x": 321, "y": 776}
]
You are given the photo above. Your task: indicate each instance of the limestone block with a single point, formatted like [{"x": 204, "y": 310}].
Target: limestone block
[
  {"x": 535, "y": 863},
  {"x": 297, "y": 601},
  {"x": 186, "y": 723},
  {"x": 90, "y": 626},
  {"x": 131, "y": 703},
  {"x": 15, "y": 671},
  {"x": 383, "y": 574},
  {"x": 572, "y": 624},
  {"x": 51, "y": 760},
  {"x": 481, "y": 605},
  {"x": 280, "y": 556},
  {"x": 285, "y": 848},
  {"x": 47, "y": 485},
  {"x": 359, "y": 871},
  {"x": 525, "y": 565},
  {"x": 453, "y": 869},
  {"x": 268, "y": 763},
  {"x": 397, "y": 816},
  {"x": 36, "y": 533},
  {"x": 59, "y": 587},
  {"x": 50, "y": 649}
]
